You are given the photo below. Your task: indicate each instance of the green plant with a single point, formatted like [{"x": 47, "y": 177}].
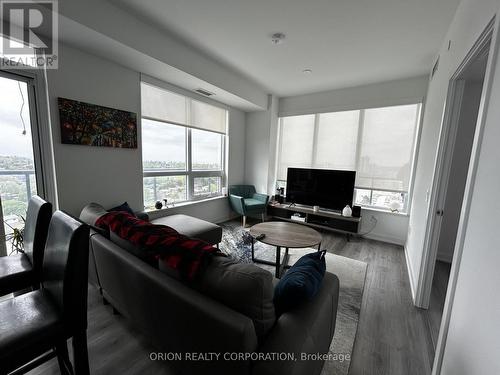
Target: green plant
[{"x": 16, "y": 238}]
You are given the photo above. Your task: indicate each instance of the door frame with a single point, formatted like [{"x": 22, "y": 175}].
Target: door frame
[
  {"x": 441, "y": 174},
  {"x": 41, "y": 129}
]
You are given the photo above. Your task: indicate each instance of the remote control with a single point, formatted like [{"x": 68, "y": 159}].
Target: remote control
[{"x": 260, "y": 237}]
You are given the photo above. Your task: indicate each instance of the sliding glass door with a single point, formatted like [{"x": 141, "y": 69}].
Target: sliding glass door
[{"x": 20, "y": 169}]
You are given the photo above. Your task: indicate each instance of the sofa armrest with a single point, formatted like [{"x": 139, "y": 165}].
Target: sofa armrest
[
  {"x": 261, "y": 197},
  {"x": 237, "y": 203},
  {"x": 307, "y": 329}
]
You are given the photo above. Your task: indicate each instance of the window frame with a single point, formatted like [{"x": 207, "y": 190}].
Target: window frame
[
  {"x": 405, "y": 209},
  {"x": 189, "y": 172}
]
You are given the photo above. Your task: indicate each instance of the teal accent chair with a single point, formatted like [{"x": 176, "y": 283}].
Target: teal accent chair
[{"x": 246, "y": 201}]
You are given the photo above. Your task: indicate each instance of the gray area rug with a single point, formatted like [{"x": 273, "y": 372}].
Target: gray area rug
[{"x": 236, "y": 242}]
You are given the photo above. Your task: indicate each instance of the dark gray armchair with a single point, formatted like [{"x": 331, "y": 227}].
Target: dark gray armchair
[{"x": 246, "y": 201}]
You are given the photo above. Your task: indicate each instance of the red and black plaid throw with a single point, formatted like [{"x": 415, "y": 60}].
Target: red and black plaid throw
[{"x": 186, "y": 255}]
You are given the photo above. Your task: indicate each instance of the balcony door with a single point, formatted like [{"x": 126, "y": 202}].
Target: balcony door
[{"x": 20, "y": 156}]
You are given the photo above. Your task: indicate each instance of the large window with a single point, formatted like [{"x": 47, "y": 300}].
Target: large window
[
  {"x": 183, "y": 147},
  {"x": 377, "y": 143}
]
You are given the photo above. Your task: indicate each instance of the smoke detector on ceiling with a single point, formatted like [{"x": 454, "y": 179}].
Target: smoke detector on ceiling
[
  {"x": 204, "y": 92},
  {"x": 277, "y": 38}
]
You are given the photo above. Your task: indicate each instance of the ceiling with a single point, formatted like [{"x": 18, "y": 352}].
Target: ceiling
[{"x": 345, "y": 42}]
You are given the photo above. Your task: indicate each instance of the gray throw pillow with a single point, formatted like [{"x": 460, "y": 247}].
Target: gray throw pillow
[{"x": 245, "y": 288}]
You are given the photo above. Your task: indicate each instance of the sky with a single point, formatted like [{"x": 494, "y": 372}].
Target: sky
[
  {"x": 12, "y": 141},
  {"x": 163, "y": 142}
]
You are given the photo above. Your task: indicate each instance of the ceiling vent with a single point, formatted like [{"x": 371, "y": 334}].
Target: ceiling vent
[{"x": 204, "y": 92}]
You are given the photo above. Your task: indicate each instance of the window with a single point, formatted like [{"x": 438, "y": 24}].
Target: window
[
  {"x": 377, "y": 143},
  {"x": 183, "y": 147},
  {"x": 20, "y": 172}
]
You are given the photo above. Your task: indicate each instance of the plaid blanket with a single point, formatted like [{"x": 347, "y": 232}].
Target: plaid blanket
[{"x": 187, "y": 256}]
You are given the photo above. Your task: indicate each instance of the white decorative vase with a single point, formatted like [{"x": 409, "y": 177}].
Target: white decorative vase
[{"x": 347, "y": 211}]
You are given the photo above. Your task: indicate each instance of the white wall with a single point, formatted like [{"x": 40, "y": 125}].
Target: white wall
[
  {"x": 260, "y": 149},
  {"x": 405, "y": 91},
  {"x": 111, "y": 176},
  {"x": 106, "y": 175},
  {"x": 262, "y": 133},
  {"x": 465, "y": 30},
  {"x": 391, "y": 228},
  {"x": 473, "y": 340}
]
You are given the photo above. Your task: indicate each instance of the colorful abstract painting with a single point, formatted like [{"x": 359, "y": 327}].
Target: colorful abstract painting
[{"x": 94, "y": 125}]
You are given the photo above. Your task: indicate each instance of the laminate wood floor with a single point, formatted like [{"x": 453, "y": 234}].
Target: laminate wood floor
[{"x": 392, "y": 336}]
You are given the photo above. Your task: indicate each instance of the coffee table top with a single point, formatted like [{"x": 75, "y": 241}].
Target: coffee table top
[{"x": 285, "y": 234}]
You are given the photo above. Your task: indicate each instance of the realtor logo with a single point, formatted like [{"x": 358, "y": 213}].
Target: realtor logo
[{"x": 29, "y": 34}]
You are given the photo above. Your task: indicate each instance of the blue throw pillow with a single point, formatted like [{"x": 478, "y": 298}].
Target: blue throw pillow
[
  {"x": 301, "y": 283},
  {"x": 123, "y": 207}
]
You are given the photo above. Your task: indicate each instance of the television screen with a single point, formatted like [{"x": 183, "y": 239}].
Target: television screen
[{"x": 320, "y": 187}]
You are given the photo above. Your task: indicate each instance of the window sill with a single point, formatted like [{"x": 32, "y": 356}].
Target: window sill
[
  {"x": 387, "y": 212},
  {"x": 183, "y": 204}
]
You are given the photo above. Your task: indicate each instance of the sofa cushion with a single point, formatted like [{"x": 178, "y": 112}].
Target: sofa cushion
[
  {"x": 252, "y": 203},
  {"x": 245, "y": 288},
  {"x": 301, "y": 283},
  {"x": 192, "y": 227},
  {"x": 89, "y": 215}
]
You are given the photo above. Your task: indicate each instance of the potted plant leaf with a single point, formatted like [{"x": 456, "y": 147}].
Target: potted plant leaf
[{"x": 16, "y": 238}]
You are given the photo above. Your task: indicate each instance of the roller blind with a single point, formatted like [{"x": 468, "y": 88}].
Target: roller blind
[
  {"x": 336, "y": 140},
  {"x": 297, "y": 143},
  {"x": 386, "y": 148},
  {"x": 377, "y": 143},
  {"x": 163, "y": 105}
]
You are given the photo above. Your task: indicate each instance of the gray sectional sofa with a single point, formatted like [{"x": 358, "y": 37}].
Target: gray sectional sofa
[{"x": 229, "y": 311}]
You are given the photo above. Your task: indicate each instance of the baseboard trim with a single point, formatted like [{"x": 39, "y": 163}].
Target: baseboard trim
[
  {"x": 386, "y": 239},
  {"x": 410, "y": 275},
  {"x": 227, "y": 218}
]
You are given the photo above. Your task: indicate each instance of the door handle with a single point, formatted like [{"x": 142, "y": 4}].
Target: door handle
[{"x": 440, "y": 212}]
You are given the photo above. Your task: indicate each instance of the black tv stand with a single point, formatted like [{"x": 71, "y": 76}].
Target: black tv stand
[{"x": 322, "y": 219}]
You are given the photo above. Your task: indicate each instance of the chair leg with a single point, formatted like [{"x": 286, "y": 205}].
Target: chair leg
[
  {"x": 244, "y": 221},
  {"x": 263, "y": 216},
  {"x": 80, "y": 353},
  {"x": 63, "y": 358}
]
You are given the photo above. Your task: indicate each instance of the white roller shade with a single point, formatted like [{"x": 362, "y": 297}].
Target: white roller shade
[
  {"x": 208, "y": 117},
  {"x": 377, "y": 143},
  {"x": 336, "y": 140},
  {"x": 163, "y": 105},
  {"x": 387, "y": 144},
  {"x": 159, "y": 104},
  {"x": 296, "y": 146}
]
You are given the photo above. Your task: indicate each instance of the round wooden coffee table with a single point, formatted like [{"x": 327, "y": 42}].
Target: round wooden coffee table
[{"x": 283, "y": 234}]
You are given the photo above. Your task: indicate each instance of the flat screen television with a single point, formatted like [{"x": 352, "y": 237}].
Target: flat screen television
[{"x": 326, "y": 188}]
